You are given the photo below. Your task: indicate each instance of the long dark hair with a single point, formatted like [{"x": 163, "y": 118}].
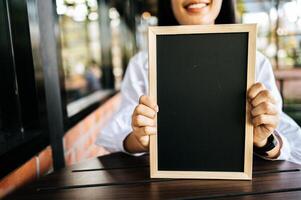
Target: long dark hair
[{"x": 167, "y": 18}]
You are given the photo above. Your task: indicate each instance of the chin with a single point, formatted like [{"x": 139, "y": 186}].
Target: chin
[{"x": 196, "y": 21}]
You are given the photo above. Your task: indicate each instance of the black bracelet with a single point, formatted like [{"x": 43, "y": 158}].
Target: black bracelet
[{"x": 271, "y": 144}]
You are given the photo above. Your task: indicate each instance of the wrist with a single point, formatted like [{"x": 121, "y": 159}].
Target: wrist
[
  {"x": 270, "y": 148},
  {"x": 275, "y": 152},
  {"x": 132, "y": 144}
]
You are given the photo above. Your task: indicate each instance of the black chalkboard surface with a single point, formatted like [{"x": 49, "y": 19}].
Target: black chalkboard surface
[{"x": 200, "y": 76}]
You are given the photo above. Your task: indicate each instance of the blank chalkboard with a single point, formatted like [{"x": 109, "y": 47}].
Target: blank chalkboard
[{"x": 199, "y": 76}]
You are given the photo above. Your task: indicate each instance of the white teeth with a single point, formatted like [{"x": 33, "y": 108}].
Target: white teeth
[{"x": 197, "y": 5}]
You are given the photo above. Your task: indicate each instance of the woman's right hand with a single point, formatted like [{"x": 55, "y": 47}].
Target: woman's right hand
[{"x": 144, "y": 121}]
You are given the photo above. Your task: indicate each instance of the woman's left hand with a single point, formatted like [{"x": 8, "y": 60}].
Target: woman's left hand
[{"x": 264, "y": 113}]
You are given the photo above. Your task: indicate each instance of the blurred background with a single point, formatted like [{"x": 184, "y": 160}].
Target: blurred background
[
  {"x": 279, "y": 38},
  {"x": 98, "y": 38},
  {"x": 67, "y": 58}
]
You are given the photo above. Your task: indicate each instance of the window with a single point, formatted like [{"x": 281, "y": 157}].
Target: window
[{"x": 96, "y": 45}]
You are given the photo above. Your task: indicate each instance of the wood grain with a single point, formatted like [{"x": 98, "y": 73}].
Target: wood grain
[{"x": 131, "y": 180}]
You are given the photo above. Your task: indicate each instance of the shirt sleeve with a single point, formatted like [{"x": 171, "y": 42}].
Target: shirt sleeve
[
  {"x": 119, "y": 126},
  {"x": 290, "y": 134},
  {"x": 287, "y": 131},
  {"x": 265, "y": 75}
]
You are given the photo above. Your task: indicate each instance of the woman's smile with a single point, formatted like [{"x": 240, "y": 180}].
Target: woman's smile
[
  {"x": 196, "y": 7},
  {"x": 196, "y": 12}
]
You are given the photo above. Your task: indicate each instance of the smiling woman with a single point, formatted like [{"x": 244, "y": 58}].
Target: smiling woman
[{"x": 135, "y": 121}]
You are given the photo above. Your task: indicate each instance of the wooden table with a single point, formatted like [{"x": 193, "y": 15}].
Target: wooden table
[{"x": 119, "y": 176}]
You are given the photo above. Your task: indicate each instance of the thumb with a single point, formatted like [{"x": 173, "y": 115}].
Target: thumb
[{"x": 144, "y": 140}]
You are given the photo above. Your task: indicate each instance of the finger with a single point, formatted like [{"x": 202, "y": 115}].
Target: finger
[
  {"x": 140, "y": 120},
  {"x": 255, "y": 89},
  {"x": 263, "y": 96},
  {"x": 269, "y": 120},
  {"x": 261, "y": 133},
  {"x": 145, "y": 111},
  {"x": 264, "y": 108},
  {"x": 144, "y": 141},
  {"x": 146, "y": 130},
  {"x": 149, "y": 102},
  {"x": 150, "y": 130}
]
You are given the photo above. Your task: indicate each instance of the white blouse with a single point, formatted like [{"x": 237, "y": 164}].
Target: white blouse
[{"x": 135, "y": 84}]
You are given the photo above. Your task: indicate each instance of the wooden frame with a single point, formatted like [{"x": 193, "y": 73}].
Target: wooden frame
[{"x": 173, "y": 30}]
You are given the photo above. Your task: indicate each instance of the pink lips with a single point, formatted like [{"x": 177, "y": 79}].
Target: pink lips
[{"x": 196, "y": 6}]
